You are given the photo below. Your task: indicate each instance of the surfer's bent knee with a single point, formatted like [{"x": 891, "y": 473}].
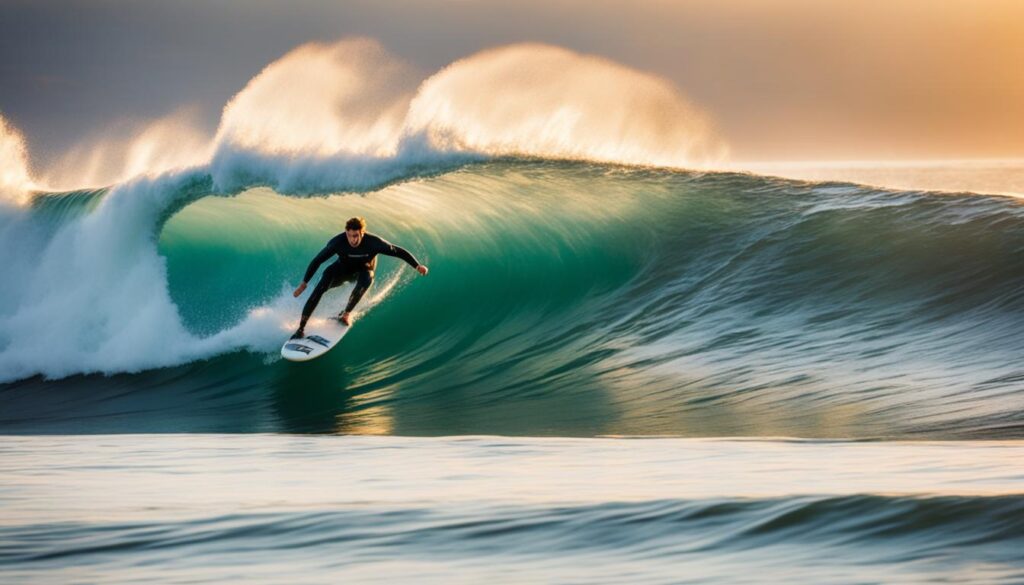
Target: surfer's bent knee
[{"x": 365, "y": 279}]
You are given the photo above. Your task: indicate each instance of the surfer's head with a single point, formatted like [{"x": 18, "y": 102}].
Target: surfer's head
[{"x": 354, "y": 230}]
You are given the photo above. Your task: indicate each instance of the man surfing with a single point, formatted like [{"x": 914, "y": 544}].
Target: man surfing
[{"x": 357, "y": 258}]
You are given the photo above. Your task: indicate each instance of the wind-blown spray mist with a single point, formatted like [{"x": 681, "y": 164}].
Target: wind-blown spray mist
[
  {"x": 92, "y": 287},
  {"x": 351, "y": 115},
  {"x": 544, "y": 101},
  {"x": 346, "y": 98},
  {"x": 15, "y": 182},
  {"x": 132, "y": 149}
]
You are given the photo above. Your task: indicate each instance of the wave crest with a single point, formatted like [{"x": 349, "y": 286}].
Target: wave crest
[{"x": 549, "y": 102}]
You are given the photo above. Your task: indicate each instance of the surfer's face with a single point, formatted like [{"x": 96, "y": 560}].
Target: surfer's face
[{"x": 355, "y": 237}]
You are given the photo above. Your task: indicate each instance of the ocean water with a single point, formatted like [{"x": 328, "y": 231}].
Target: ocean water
[
  {"x": 565, "y": 299},
  {"x": 617, "y": 371},
  {"x": 556, "y": 396},
  {"x": 317, "y": 509}
]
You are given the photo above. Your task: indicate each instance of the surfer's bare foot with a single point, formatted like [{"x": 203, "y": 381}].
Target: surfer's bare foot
[
  {"x": 299, "y": 334},
  {"x": 346, "y": 318}
]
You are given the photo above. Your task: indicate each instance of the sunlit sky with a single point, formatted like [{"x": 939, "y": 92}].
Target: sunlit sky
[{"x": 781, "y": 79}]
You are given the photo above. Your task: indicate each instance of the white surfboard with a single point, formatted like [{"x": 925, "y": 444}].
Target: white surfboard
[{"x": 321, "y": 336}]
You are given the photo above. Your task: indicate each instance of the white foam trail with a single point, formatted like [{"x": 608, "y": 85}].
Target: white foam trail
[
  {"x": 94, "y": 297},
  {"x": 265, "y": 327},
  {"x": 80, "y": 308}
]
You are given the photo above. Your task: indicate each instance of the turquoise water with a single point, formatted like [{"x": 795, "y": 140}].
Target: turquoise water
[
  {"x": 881, "y": 328},
  {"x": 563, "y": 299}
]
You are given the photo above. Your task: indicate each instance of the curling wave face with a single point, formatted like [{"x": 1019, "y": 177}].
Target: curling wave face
[
  {"x": 563, "y": 297},
  {"x": 569, "y": 294},
  {"x": 87, "y": 289}
]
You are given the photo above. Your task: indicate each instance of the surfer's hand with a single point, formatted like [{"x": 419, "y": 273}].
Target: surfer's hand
[
  {"x": 422, "y": 269},
  {"x": 299, "y": 290}
]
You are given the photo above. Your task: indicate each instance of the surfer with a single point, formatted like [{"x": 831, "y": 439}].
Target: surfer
[{"x": 357, "y": 258}]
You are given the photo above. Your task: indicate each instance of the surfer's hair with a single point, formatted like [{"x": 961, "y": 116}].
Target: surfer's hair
[{"x": 356, "y": 223}]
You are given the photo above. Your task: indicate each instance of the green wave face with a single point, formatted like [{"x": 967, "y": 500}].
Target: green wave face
[
  {"x": 581, "y": 299},
  {"x": 563, "y": 299},
  {"x": 500, "y": 241}
]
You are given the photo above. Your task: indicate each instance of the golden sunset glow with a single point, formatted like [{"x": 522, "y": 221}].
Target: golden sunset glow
[{"x": 512, "y": 291}]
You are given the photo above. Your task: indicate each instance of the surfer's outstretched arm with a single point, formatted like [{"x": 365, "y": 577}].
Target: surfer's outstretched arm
[{"x": 389, "y": 249}]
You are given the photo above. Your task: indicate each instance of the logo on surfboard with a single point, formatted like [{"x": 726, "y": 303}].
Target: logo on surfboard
[
  {"x": 320, "y": 340},
  {"x": 298, "y": 347}
]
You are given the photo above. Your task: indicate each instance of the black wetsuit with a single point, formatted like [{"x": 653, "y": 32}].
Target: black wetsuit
[{"x": 358, "y": 262}]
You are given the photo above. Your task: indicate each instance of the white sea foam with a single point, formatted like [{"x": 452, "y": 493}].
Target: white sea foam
[
  {"x": 93, "y": 297},
  {"x": 90, "y": 294}
]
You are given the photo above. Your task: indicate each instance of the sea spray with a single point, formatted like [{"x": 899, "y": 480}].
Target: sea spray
[
  {"x": 545, "y": 101},
  {"x": 15, "y": 181},
  {"x": 92, "y": 289}
]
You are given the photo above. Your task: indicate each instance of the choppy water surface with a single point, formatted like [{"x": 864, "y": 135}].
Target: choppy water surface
[{"x": 307, "y": 509}]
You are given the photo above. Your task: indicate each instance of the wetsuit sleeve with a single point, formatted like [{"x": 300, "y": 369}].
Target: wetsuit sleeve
[
  {"x": 327, "y": 252},
  {"x": 389, "y": 249}
]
